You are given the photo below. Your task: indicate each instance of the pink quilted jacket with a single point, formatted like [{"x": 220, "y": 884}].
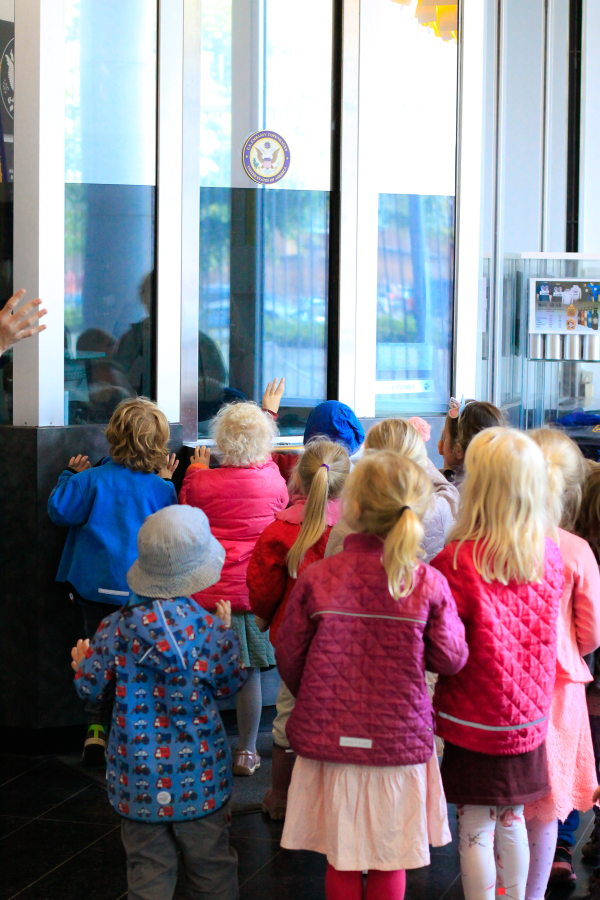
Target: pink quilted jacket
[
  {"x": 239, "y": 504},
  {"x": 355, "y": 658},
  {"x": 499, "y": 703}
]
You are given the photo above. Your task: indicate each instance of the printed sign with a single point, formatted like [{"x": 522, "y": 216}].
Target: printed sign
[
  {"x": 563, "y": 305},
  {"x": 266, "y": 157}
]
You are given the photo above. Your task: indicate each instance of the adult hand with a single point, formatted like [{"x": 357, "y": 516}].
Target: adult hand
[
  {"x": 79, "y": 653},
  {"x": 223, "y": 612},
  {"x": 14, "y": 326},
  {"x": 273, "y": 394},
  {"x": 79, "y": 463},
  {"x": 169, "y": 467},
  {"x": 201, "y": 456}
]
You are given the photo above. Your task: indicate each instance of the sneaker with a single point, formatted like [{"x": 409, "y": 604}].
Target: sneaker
[
  {"x": 94, "y": 748},
  {"x": 589, "y": 850},
  {"x": 562, "y": 870},
  {"x": 245, "y": 762}
]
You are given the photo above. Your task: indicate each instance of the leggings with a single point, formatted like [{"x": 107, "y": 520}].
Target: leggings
[
  {"x": 481, "y": 872},
  {"x": 380, "y": 885}
]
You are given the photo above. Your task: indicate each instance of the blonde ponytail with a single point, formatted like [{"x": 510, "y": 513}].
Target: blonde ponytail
[
  {"x": 565, "y": 466},
  {"x": 387, "y": 494},
  {"x": 321, "y": 473}
]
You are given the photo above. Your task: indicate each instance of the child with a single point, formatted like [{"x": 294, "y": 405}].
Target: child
[
  {"x": 104, "y": 508},
  {"x": 297, "y": 538},
  {"x": 506, "y": 578},
  {"x": 463, "y": 422},
  {"x": 357, "y": 634},
  {"x": 166, "y": 663},
  {"x": 240, "y": 499},
  {"x": 404, "y": 438},
  {"x": 569, "y": 744}
]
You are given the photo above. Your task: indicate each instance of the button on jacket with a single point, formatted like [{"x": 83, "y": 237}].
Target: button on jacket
[{"x": 355, "y": 658}]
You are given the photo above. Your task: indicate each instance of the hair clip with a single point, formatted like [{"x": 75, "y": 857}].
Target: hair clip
[{"x": 456, "y": 408}]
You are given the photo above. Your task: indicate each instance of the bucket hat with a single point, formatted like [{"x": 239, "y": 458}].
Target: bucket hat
[{"x": 177, "y": 554}]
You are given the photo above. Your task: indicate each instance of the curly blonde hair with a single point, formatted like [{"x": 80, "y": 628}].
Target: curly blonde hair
[
  {"x": 138, "y": 434},
  {"x": 243, "y": 434},
  {"x": 388, "y": 494},
  {"x": 399, "y": 435}
]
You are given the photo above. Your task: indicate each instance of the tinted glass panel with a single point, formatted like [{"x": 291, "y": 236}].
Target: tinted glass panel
[{"x": 7, "y": 112}]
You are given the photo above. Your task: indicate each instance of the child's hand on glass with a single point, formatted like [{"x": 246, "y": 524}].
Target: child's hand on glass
[
  {"x": 80, "y": 463},
  {"x": 223, "y": 612},
  {"x": 79, "y": 653},
  {"x": 262, "y": 624},
  {"x": 201, "y": 456},
  {"x": 169, "y": 467},
  {"x": 273, "y": 394}
]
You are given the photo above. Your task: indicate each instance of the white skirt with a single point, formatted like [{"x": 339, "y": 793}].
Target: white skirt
[{"x": 367, "y": 817}]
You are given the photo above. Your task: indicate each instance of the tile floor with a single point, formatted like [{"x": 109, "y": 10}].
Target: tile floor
[{"x": 59, "y": 840}]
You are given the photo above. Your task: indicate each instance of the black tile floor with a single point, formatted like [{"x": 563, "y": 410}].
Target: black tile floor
[{"x": 60, "y": 840}]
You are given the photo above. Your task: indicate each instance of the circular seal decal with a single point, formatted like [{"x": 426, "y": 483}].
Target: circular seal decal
[
  {"x": 163, "y": 798},
  {"x": 266, "y": 157},
  {"x": 7, "y": 77}
]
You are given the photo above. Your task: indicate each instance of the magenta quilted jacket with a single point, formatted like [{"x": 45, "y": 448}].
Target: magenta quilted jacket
[
  {"x": 355, "y": 658},
  {"x": 499, "y": 703}
]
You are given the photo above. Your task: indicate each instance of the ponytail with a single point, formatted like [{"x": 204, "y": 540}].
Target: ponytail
[
  {"x": 321, "y": 473},
  {"x": 400, "y": 550}
]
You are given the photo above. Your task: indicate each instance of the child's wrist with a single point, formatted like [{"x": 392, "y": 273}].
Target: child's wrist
[{"x": 270, "y": 412}]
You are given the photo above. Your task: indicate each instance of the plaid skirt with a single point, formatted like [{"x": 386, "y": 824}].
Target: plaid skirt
[{"x": 256, "y": 650}]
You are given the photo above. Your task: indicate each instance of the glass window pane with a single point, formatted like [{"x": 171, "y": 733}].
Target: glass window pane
[
  {"x": 110, "y": 166},
  {"x": 413, "y": 168},
  {"x": 7, "y": 85},
  {"x": 264, "y": 249}
]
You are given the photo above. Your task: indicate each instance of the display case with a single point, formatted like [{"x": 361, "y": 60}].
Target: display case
[{"x": 550, "y": 356}]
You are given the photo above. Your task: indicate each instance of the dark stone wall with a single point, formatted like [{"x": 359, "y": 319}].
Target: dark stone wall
[{"x": 38, "y": 622}]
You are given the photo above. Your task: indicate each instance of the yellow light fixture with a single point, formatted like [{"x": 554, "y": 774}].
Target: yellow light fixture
[{"x": 443, "y": 19}]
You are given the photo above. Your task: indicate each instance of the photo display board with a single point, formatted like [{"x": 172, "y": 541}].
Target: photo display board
[{"x": 564, "y": 306}]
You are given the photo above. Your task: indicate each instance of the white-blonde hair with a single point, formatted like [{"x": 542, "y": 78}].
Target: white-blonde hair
[
  {"x": 388, "y": 494},
  {"x": 243, "y": 434},
  {"x": 503, "y": 507},
  {"x": 398, "y": 435},
  {"x": 566, "y": 471},
  {"x": 321, "y": 474}
]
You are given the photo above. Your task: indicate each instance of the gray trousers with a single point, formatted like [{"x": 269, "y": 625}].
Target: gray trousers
[{"x": 210, "y": 864}]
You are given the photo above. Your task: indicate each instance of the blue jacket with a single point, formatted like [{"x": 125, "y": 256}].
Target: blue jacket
[
  {"x": 165, "y": 662},
  {"x": 105, "y": 508}
]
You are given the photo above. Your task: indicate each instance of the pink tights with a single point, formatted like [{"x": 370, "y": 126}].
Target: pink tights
[{"x": 380, "y": 885}]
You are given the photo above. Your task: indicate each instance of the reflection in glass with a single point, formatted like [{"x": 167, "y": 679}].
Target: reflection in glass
[
  {"x": 7, "y": 84},
  {"x": 414, "y": 303},
  {"x": 264, "y": 252},
  {"x": 110, "y": 142}
]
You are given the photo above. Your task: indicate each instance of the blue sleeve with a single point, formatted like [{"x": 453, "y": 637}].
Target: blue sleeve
[
  {"x": 226, "y": 674},
  {"x": 95, "y": 677},
  {"x": 67, "y": 504}
]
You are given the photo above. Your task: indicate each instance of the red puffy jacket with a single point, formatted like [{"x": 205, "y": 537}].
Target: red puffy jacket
[
  {"x": 355, "y": 658},
  {"x": 268, "y": 579},
  {"x": 239, "y": 504},
  {"x": 499, "y": 703}
]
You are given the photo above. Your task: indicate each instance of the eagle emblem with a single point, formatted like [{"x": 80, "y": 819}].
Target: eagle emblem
[{"x": 266, "y": 157}]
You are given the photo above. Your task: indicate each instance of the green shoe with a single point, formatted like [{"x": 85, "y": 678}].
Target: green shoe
[{"x": 94, "y": 748}]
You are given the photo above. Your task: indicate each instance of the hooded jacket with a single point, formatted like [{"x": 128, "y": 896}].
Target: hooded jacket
[
  {"x": 269, "y": 582},
  {"x": 239, "y": 504},
  {"x": 499, "y": 703},
  {"x": 355, "y": 658},
  {"x": 165, "y": 663},
  {"x": 104, "y": 507}
]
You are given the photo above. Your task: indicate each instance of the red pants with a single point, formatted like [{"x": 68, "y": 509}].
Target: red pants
[{"x": 380, "y": 885}]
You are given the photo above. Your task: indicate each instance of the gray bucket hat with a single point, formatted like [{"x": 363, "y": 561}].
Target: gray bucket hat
[{"x": 177, "y": 554}]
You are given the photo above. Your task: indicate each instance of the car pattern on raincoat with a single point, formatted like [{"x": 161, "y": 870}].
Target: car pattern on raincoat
[{"x": 165, "y": 663}]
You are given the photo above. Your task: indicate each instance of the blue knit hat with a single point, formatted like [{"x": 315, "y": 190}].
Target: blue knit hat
[{"x": 336, "y": 421}]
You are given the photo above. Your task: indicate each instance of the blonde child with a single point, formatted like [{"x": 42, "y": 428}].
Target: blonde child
[
  {"x": 404, "y": 438},
  {"x": 297, "y": 538},
  {"x": 569, "y": 744},
  {"x": 104, "y": 508},
  {"x": 240, "y": 499},
  {"x": 506, "y": 578},
  {"x": 358, "y": 631}
]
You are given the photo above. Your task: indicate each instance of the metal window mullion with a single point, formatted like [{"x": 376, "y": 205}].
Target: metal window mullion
[{"x": 39, "y": 206}]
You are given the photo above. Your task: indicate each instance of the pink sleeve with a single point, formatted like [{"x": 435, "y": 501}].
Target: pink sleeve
[{"x": 586, "y": 602}]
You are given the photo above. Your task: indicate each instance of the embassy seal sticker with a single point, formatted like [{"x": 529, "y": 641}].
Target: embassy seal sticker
[{"x": 266, "y": 157}]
